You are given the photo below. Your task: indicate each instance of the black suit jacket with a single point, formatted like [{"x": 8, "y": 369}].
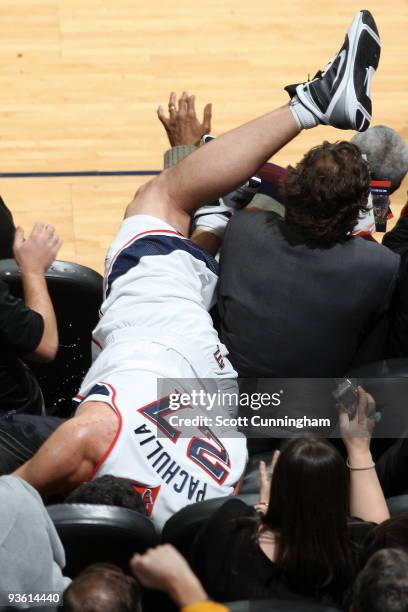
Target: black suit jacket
[{"x": 290, "y": 309}]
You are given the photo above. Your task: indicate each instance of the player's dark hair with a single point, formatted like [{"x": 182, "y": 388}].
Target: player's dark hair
[
  {"x": 308, "y": 512},
  {"x": 382, "y": 586},
  {"x": 109, "y": 491},
  {"x": 102, "y": 587},
  {"x": 326, "y": 192}
]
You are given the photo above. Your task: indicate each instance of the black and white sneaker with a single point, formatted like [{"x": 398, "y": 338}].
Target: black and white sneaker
[
  {"x": 242, "y": 196},
  {"x": 339, "y": 95},
  {"x": 215, "y": 216}
]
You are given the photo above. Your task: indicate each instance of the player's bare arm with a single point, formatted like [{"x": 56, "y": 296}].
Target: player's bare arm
[{"x": 70, "y": 455}]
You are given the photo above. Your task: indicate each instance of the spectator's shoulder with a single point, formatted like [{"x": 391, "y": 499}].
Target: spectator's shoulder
[{"x": 376, "y": 255}]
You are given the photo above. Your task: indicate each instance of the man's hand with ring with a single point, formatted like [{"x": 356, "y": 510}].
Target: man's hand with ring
[{"x": 182, "y": 125}]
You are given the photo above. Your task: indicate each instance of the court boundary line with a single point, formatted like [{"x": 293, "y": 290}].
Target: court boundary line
[{"x": 79, "y": 173}]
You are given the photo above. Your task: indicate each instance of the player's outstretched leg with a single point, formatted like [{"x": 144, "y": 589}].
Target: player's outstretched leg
[{"x": 339, "y": 96}]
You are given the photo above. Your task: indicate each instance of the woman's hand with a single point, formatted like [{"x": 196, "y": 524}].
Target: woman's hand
[
  {"x": 265, "y": 481},
  {"x": 356, "y": 432}
]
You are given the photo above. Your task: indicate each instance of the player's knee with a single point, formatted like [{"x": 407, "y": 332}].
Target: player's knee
[
  {"x": 141, "y": 191},
  {"x": 143, "y": 194}
]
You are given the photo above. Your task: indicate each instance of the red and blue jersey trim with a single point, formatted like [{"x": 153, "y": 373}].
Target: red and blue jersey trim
[{"x": 155, "y": 244}]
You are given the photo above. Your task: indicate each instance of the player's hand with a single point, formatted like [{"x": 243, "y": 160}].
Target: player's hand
[
  {"x": 182, "y": 125},
  {"x": 36, "y": 253},
  {"x": 163, "y": 568},
  {"x": 356, "y": 432},
  {"x": 265, "y": 481}
]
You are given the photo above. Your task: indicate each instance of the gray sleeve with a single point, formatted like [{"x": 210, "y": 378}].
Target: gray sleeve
[
  {"x": 31, "y": 553},
  {"x": 176, "y": 154}
]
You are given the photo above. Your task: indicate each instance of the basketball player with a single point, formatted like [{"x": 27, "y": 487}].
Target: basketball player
[{"x": 159, "y": 287}]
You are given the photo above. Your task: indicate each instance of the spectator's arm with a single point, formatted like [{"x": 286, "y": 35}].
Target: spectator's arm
[
  {"x": 183, "y": 128},
  {"x": 37, "y": 298},
  {"x": 34, "y": 256},
  {"x": 184, "y": 132},
  {"x": 366, "y": 496},
  {"x": 21, "y": 329},
  {"x": 175, "y": 154},
  {"x": 206, "y": 240},
  {"x": 265, "y": 481},
  {"x": 163, "y": 568},
  {"x": 182, "y": 125}
]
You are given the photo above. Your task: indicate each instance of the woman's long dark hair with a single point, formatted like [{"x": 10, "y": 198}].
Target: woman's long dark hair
[{"x": 308, "y": 511}]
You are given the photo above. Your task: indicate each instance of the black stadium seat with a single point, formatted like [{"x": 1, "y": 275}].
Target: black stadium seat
[
  {"x": 76, "y": 292},
  {"x": 181, "y": 528},
  {"x": 95, "y": 533},
  {"x": 398, "y": 505},
  {"x": 277, "y": 605}
]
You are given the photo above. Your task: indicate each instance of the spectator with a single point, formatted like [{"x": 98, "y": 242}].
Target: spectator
[
  {"x": 102, "y": 588},
  {"x": 387, "y": 154},
  {"x": 397, "y": 241},
  {"x": 108, "y": 491},
  {"x": 21, "y": 435},
  {"x": 321, "y": 288},
  {"x": 382, "y": 586},
  {"x": 28, "y": 330},
  {"x": 164, "y": 569},
  {"x": 7, "y": 231},
  {"x": 31, "y": 554},
  {"x": 301, "y": 544},
  {"x": 340, "y": 297}
]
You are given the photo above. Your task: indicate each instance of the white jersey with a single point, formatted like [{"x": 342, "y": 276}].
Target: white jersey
[
  {"x": 171, "y": 461},
  {"x": 158, "y": 283},
  {"x": 155, "y": 327}
]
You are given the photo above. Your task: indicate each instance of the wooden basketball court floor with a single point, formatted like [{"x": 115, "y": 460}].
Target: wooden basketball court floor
[{"x": 80, "y": 81}]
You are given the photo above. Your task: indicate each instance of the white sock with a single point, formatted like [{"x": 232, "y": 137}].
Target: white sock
[
  {"x": 304, "y": 117},
  {"x": 215, "y": 223}
]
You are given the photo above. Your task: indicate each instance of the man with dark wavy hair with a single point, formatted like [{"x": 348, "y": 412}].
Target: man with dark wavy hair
[
  {"x": 301, "y": 296},
  {"x": 326, "y": 192}
]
